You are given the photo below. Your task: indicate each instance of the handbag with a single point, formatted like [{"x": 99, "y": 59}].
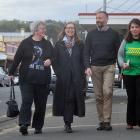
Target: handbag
[{"x": 12, "y": 109}]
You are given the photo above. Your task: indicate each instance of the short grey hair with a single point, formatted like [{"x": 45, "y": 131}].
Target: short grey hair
[{"x": 34, "y": 25}]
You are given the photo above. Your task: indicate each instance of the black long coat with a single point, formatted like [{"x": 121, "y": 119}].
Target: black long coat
[{"x": 65, "y": 67}]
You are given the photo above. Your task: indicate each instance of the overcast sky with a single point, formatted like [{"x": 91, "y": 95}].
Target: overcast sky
[{"x": 59, "y": 9}]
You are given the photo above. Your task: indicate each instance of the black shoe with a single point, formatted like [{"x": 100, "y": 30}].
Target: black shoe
[
  {"x": 24, "y": 130},
  {"x": 68, "y": 129},
  {"x": 38, "y": 131},
  {"x": 107, "y": 126},
  {"x": 101, "y": 126}
]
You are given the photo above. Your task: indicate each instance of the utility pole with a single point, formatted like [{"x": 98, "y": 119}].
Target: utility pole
[
  {"x": 104, "y": 5},
  {"x": 86, "y": 6}
]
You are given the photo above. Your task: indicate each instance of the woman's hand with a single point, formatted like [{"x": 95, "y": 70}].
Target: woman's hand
[{"x": 47, "y": 62}]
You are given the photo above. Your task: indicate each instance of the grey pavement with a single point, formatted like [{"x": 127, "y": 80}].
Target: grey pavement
[{"x": 84, "y": 128}]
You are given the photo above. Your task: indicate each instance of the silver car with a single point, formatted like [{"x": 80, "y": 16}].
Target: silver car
[{"x": 4, "y": 79}]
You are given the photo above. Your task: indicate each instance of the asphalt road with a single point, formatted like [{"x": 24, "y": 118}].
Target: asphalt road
[{"x": 84, "y": 128}]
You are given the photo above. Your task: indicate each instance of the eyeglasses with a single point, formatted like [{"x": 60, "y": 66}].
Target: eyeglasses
[{"x": 72, "y": 28}]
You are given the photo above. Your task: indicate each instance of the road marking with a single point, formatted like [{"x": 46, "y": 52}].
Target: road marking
[
  {"x": 76, "y": 126},
  {"x": 5, "y": 131},
  {"x": 50, "y": 114},
  {"x": 3, "y": 116},
  {"x": 0, "y": 101}
]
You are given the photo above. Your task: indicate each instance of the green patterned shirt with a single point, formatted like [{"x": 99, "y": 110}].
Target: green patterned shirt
[{"x": 132, "y": 55}]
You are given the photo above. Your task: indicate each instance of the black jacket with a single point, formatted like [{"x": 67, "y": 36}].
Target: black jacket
[
  {"x": 24, "y": 57},
  {"x": 66, "y": 68}
]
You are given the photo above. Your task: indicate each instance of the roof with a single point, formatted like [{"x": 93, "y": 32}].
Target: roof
[
  {"x": 111, "y": 14},
  {"x": 114, "y": 18}
]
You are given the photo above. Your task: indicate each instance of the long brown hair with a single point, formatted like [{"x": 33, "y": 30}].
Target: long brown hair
[
  {"x": 62, "y": 34},
  {"x": 129, "y": 37}
]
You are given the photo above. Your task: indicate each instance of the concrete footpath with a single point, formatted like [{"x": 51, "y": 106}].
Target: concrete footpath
[{"x": 84, "y": 128}]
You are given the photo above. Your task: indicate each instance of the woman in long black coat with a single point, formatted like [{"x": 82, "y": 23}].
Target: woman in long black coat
[{"x": 69, "y": 68}]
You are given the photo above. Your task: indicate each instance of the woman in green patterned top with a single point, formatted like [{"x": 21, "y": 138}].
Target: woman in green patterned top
[{"x": 129, "y": 61}]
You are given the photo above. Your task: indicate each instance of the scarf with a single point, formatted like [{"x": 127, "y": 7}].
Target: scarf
[{"x": 69, "y": 44}]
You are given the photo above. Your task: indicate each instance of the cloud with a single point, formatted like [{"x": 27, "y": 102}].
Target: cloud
[
  {"x": 39, "y": 9},
  {"x": 52, "y": 9}
]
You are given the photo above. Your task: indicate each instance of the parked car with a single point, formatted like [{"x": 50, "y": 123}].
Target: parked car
[
  {"x": 1, "y": 80},
  {"x": 4, "y": 79},
  {"x": 53, "y": 81},
  {"x": 118, "y": 81}
]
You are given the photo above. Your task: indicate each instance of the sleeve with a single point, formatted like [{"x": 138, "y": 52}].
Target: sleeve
[
  {"x": 51, "y": 50},
  {"x": 17, "y": 58},
  {"x": 55, "y": 61},
  {"x": 82, "y": 46},
  {"x": 121, "y": 53},
  {"x": 87, "y": 51}
]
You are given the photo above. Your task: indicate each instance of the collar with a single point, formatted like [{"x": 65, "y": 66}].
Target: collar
[{"x": 102, "y": 29}]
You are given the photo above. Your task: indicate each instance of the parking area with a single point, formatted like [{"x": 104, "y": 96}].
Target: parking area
[{"x": 4, "y": 79}]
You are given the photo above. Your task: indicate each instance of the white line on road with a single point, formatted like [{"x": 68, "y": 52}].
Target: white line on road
[
  {"x": 76, "y": 126},
  {"x": 5, "y": 131},
  {"x": 3, "y": 116}
]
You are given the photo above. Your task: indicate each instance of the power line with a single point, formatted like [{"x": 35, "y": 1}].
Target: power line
[
  {"x": 136, "y": 8},
  {"x": 122, "y": 4},
  {"x": 99, "y": 9},
  {"x": 132, "y": 6},
  {"x": 116, "y": 9}
]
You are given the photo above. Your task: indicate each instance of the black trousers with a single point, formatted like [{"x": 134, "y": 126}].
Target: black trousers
[
  {"x": 33, "y": 93},
  {"x": 132, "y": 84}
]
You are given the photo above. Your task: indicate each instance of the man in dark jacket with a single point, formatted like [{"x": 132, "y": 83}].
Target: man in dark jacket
[
  {"x": 34, "y": 56},
  {"x": 100, "y": 57}
]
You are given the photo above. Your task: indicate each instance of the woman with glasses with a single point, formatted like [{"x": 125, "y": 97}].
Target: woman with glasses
[{"x": 69, "y": 68}]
